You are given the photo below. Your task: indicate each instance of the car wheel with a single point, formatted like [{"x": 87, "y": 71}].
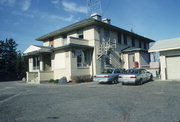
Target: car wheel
[
  {"x": 116, "y": 80},
  {"x": 140, "y": 82},
  {"x": 151, "y": 78}
]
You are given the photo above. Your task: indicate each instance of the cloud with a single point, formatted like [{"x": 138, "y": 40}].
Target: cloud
[
  {"x": 55, "y": 17},
  {"x": 16, "y": 13},
  {"x": 10, "y": 3},
  {"x": 26, "y": 5},
  {"x": 72, "y": 7},
  {"x": 55, "y": 2}
]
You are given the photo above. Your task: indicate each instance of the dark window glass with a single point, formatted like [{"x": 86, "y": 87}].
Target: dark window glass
[
  {"x": 145, "y": 45},
  {"x": 133, "y": 42},
  {"x": 119, "y": 38},
  {"x": 80, "y": 34},
  {"x": 82, "y": 58},
  {"x": 64, "y": 36},
  {"x": 106, "y": 33},
  {"x": 108, "y": 71},
  {"x": 139, "y": 44},
  {"x": 125, "y": 39},
  {"x": 36, "y": 62}
]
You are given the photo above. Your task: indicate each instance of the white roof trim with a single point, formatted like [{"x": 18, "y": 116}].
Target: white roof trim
[
  {"x": 164, "y": 45},
  {"x": 164, "y": 49},
  {"x": 33, "y": 48}
]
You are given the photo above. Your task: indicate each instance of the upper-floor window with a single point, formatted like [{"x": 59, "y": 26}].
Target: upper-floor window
[
  {"x": 125, "y": 39},
  {"x": 51, "y": 42},
  {"x": 145, "y": 46},
  {"x": 106, "y": 34},
  {"x": 80, "y": 34},
  {"x": 140, "y": 44},
  {"x": 119, "y": 38},
  {"x": 64, "y": 36},
  {"x": 133, "y": 42},
  {"x": 36, "y": 62}
]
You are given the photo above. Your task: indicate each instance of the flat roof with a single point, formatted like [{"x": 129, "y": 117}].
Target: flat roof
[
  {"x": 88, "y": 22},
  {"x": 164, "y": 45}
]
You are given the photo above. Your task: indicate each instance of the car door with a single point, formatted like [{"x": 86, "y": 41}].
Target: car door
[{"x": 143, "y": 75}]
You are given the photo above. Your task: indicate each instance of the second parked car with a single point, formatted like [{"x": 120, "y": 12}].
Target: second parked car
[{"x": 135, "y": 76}]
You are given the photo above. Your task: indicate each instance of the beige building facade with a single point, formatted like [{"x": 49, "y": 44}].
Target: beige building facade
[{"x": 85, "y": 48}]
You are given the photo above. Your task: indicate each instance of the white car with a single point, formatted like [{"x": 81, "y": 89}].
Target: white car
[
  {"x": 108, "y": 76},
  {"x": 135, "y": 76}
]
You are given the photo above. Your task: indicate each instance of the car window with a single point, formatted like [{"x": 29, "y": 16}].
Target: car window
[
  {"x": 108, "y": 71},
  {"x": 117, "y": 71},
  {"x": 134, "y": 71},
  {"x": 143, "y": 71}
]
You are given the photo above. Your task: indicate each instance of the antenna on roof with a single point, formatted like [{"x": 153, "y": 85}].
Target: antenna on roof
[{"x": 94, "y": 6}]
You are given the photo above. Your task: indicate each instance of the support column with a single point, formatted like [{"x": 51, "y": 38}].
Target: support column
[{"x": 163, "y": 67}]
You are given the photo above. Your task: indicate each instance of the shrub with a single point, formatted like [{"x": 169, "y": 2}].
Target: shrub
[
  {"x": 81, "y": 78},
  {"x": 53, "y": 81}
]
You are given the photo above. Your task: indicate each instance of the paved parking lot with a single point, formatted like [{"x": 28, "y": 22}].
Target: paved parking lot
[{"x": 90, "y": 102}]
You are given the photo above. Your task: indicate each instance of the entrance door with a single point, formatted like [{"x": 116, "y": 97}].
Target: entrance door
[{"x": 131, "y": 60}]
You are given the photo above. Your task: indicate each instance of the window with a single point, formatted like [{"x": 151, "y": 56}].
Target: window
[
  {"x": 80, "y": 34},
  {"x": 125, "y": 39},
  {"x": 51, "y": 42},
  {"x": 145, "y": 45},
  {"x": 82, "y": 58},
  {"x": 64, "y": 36},
  {"x": 133, "y": 42},
  {"x": 36, "y": 62},
  {"x": 140, "y": 44},
  {"x": 106, "y": 34},
  {"x": 119, "y": 38}
]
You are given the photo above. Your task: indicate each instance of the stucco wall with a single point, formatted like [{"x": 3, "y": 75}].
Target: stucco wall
[
  {"x": 45, "y": 76},
  {"x": 62, "y": 64},
  {"x": 46, "y": 43}
]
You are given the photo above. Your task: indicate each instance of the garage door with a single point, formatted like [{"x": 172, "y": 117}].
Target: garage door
[{"x": 173, "y": 67}]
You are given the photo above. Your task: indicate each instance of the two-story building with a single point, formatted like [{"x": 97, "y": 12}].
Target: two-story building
[{"x": 85, "y": 48}]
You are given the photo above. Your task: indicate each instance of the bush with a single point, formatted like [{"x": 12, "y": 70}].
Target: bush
[
  {"x": 53, "y": 81},
  {"x": 81, "y": 79}
]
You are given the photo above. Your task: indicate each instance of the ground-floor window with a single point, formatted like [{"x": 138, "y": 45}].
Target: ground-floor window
[
  {"x": 36, "y": 62},
  {"x": 82, "y": 58}
]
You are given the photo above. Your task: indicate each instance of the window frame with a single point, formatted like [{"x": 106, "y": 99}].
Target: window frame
[
  {"x": 36, "y": 62},
  {"x": 82, "y": 58}
]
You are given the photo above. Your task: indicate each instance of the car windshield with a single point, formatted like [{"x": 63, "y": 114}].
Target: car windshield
[
  {"x": 107, "y": 71},
  {"x": 132, "y": 71}
]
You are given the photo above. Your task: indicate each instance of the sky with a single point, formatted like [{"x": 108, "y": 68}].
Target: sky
[{"x": 26, "y": 20}]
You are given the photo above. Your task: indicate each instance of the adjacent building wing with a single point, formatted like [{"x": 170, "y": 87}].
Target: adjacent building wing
[{"x": 164, "y": 45}]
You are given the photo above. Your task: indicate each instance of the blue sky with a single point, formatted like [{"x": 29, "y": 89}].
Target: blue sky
[{"x": 25, "y": 20}]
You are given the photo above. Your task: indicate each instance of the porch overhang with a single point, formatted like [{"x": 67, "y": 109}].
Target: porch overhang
[
  {"x": 34, "y": 50},
  {"x": 133, "y": 49},
  {"x": 73, "y": 46}
]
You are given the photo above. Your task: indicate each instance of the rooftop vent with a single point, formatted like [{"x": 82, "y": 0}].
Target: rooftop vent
[
  {"x": 96, "y": 16},
  {"x": 106, "y": 20}
]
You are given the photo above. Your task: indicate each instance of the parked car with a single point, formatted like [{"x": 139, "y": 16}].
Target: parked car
[
  {"x": 108, "y": 76},
  {"x": 135, "y": 76}
]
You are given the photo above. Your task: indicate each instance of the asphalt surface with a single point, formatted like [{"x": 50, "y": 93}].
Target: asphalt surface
[{"x": 157, "y": 101}]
